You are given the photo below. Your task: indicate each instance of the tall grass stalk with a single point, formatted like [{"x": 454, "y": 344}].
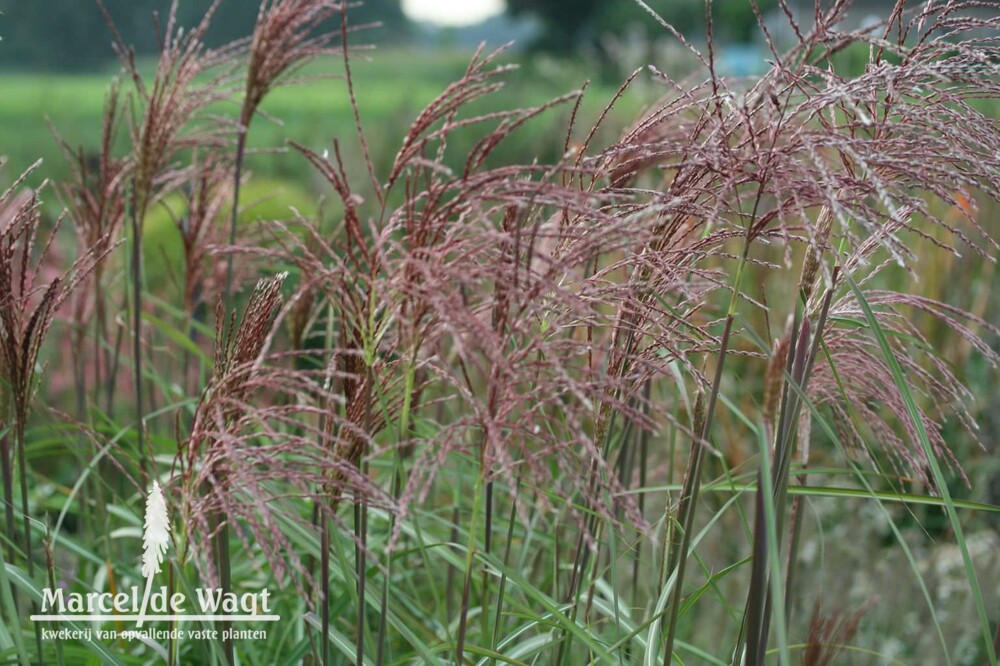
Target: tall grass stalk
[
  {"x": 676, "y": 561},
  {"x": 7, "y": 471},
  {"x": 470, "y": 552},
  {"x": 800, "y": 358},
  {"x": 8, "y": 602},
  {"x": 138, "y": 379}
]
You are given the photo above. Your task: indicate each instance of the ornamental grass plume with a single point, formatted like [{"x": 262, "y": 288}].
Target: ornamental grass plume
[
  {"x": 28, "y": 303},
  {"x": 829, "y": 634},
  {"x": 287, "y": 36},
  {"x": 94, "y": 195},
  {"x": 94, "y": 199},
  {"x": 848, "y": 166},
  {"x": 209, "y": 194},
  {"x": 857, "y": 386},
  {"x": 254, "y": 443},
  {"x": 222, "y": 405},
  {"x": 189, "y": 77},
  {"x": 469, "y": 293}
]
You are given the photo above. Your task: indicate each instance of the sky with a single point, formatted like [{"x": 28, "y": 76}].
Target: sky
[{"x": 452, "y": 12}]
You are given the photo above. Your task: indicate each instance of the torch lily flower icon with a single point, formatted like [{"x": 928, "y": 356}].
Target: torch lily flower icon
[{"x": 155, "y": 539}]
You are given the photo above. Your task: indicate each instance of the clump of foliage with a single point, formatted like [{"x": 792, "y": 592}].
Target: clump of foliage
[{"x": 498, "y": 413}]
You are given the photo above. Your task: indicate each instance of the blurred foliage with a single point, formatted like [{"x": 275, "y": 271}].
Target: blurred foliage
[
  {"x": 163, "y": 249},
  {"x": 84, "y": 40},
  {"x": 29, "y": 29},
  {"x": 567, "y": 24}
]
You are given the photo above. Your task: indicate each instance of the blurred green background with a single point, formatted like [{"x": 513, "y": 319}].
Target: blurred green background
[{"x": 57, "y": 60}]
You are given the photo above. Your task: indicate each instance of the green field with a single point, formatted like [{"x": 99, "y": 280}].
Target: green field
[{"x": 391, "y": 92}]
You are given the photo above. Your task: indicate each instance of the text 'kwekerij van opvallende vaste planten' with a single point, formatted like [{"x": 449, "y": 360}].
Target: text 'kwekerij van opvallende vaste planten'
[{"x": 690, "y": 368}]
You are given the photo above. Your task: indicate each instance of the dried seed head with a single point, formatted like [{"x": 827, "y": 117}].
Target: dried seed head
[
  {"x": 774, "y": 377},
  {"x": 248, "y": 342},
  {"x": 284, "y": 38},
  {"x": 189, "y": 78},
  {"x": 814, "y": 252},
  {"x": 698, "y": 420},
  {"x": 27, "y": 305},
  {"x": 829, "y": 633}
]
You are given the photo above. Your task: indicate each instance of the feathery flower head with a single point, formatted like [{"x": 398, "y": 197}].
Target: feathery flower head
[{"x": 156, "y": 537}]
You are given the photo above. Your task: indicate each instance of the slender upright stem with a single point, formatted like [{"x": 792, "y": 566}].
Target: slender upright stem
[
  {"x": 996, "y": 639},
  {"x": 325, "y": 591},
  {"x": 22, "y": 458},
  {"x": 361, "y": 556},
  {"x": 241, "y": 143},
  {"x": 172, "y": 641},
  {"x": 795, "y": 534},
  {"x": 145, "y": 600},
  {"x": 470, "y": 551},
  {"x": 760, "y": 600},
  {"x": 137, "y": 331},
  {"x": 8, "y": 493},
  {"x": 495, "y": 639},
  {"x": 689, "y": 501},
  {"x": 484, "y": 618},
  {"x": 222, "y": 537},
  {"x": 797, "y": 517},
  {"x": 226, "y": 583}
]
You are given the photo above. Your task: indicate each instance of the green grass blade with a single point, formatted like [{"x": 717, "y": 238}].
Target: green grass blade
[
  {"x": 939, "y": 478},
  {"x": 22, "y": 581}
]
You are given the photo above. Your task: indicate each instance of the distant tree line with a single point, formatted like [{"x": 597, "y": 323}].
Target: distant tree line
[
  {"x": 72, "y": 35},
  {"x": 569, "y": 23}
]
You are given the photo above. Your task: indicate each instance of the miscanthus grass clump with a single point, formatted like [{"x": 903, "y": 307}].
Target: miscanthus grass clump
[{"x": 594, "y": 409}]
